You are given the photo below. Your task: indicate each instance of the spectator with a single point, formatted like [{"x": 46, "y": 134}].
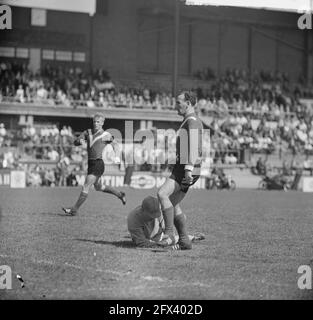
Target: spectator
[
  {"x": 3, "y": 131},
  {"x": 71, "y": 180},
  {"x": 53, "y": 155},
  {"x": 49, "y": 178},
  {"x": 42, "y": 93},
  {"x": 62, "y": 168},
  {"x": 261, "y": 167},
  {"x": 20, "y": 97},
  {"x": 33, "y": 178}
]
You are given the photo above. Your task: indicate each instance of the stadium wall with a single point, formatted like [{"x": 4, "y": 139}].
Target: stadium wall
[
  {"x": 222, "y": 38},
  {"x": 148, "y": 180},
  {"x": 114, "y": 39},
  {"x": 64, "y": 31}
]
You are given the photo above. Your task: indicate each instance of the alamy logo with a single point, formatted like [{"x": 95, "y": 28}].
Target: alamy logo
[
  {"x": 5, "y": 277},
  {"x": 5, "y": 17},
  {"x": 305, "y": 21},
  {"x": 305, "y": 280}
]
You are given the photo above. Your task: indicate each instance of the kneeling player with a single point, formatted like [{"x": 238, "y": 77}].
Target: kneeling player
[{"x": 146, "y": 225}]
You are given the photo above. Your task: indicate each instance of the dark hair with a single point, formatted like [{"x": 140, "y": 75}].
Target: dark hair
[{"x": 191, "y": 97}]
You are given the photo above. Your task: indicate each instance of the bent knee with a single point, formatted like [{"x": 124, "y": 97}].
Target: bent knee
[
  {"x": 177, "y": 211},
  {"x": 162, "y": 194},
  {"x": 86, "y": 188}
]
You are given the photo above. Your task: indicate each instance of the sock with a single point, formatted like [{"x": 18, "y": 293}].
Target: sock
[
  {"x": 168, "y": 215},
  {"x": 181, "y": 226},
  {"x": 111, "y": 190},
  {"x": 81, "y": 199}
]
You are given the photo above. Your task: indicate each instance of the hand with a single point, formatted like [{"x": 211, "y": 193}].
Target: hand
[{"x": 188, "y": 177}]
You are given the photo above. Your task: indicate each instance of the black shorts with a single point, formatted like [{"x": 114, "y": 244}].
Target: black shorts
[
  {"x": 95, "y": 167},
  {"x": 178, "y": 174}
]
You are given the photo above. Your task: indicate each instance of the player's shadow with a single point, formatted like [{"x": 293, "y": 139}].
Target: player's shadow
[{"x": 120, "y": 244}]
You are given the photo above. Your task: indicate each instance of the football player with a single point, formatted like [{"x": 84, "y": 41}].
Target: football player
[
  {"x": 146, "y": 225},
  {"x": 185, "y": 172},
  {"x": 96, "y": 140}
]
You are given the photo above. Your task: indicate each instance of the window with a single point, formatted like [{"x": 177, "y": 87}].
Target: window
[
  {"x": 63, "y": 55},
  {"x": 38, "y": 17},
  {"x": 7, "y": 52},
  {"x": 22, "y": 53},
  {"x": 48, "y": 54}
]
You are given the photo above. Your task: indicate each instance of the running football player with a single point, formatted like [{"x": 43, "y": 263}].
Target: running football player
[
  {"x": 96, "y": 140},
  {"x": 185, "y": 172}
]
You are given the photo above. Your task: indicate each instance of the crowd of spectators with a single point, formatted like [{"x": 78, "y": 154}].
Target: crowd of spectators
[
  {"x": 224, "y": 143},
  {"x": 260, "y": 111},
  {"x": 287, "y": 135},
  {"x": 261, "y": 94},
  {"x": 72, "y": 87},
  {"x": 61, "y": 175},
  {"x": 66, "y": 161},
  {"x": 63, "y": 162},
  {"x": 239, "y": 88}
]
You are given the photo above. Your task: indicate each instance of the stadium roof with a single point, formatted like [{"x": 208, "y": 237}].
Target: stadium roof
[
  {"x": 87, "y": 6},
  {"x": 281, "y": 5},
  {"x": 90, "y": 5}
]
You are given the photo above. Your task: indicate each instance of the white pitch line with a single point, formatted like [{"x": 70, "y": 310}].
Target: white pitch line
[
  {"x": 143, "y": 286},
  {"x": 66, "y": 264},
  {"x": 175, "y": 284},
  {"x": 170, "y": 283}
]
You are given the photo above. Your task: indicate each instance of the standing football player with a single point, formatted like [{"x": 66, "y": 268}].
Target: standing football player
[
  {"x": 96, "y": 140},
  {"x": 185, "y": 172}
]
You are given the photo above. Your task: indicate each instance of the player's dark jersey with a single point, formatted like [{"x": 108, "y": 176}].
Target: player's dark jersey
[
  {"x": 189, "y": 144},
  {"x": 95, "y": 142}
]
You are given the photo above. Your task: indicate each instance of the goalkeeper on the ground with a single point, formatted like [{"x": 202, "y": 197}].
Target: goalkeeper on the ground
[{"x": 146, "y": 225}]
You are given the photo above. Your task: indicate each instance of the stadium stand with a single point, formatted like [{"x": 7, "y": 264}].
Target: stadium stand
[
  {"x": 261, "y": 112},
  {"x": 249, "y": 114}
]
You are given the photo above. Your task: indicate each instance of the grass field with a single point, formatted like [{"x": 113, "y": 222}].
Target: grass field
[{"x": 255, "y": 242}]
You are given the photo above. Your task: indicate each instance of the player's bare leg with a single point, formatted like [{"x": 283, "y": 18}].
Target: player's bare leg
[
  {"x": 183, "y": 241},
  {"x": 89, "y": 181},
  {"x": 107, "y": 189},
  {"x": 180, "y": 221},
  {"x": 167, "y": 189}
]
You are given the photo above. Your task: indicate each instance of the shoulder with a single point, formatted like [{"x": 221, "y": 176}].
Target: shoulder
[
  {"x": 134, "y": 216},
  {"x": 106, "y": 136},
  {"x": 194, "y": 122},
  {"x": 192, "y": 119},
  {"x": 105, "y": 133}
]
